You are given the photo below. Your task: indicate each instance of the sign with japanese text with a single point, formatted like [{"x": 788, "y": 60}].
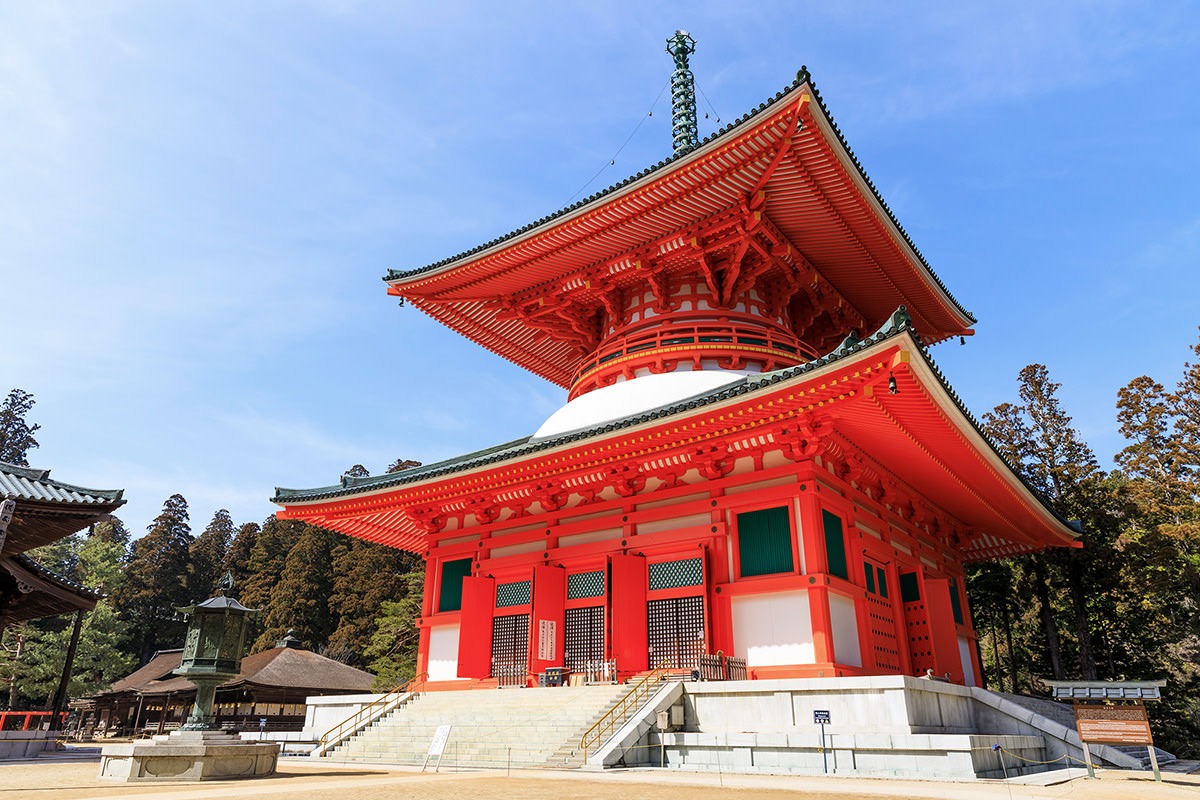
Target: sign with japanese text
[{"x": 1104, "y": 724}]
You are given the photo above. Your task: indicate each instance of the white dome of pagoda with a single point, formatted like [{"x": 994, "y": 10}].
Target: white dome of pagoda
[{"x": 627, "y": 397}]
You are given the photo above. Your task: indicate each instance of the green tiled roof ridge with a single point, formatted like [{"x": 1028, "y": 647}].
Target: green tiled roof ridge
[
  {"x": 42, "y": 476},
  {"x": 802, "y": 77}
]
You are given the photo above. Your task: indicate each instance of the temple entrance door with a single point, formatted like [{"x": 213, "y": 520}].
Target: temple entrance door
[
  {"x": 885, "y": 645},
  {"x": 584, "y": 639},
  {"x": 676, "y": 632},
  {"x": 510, "y": 649}
]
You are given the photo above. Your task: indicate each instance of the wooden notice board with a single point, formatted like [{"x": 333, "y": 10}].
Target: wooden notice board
[{"x": 1104, "y": 724}]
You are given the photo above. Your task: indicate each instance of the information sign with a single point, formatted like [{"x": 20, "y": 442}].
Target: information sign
[
  {"x": 439, "y": 740},
  {"x": 1104, "y": 724},
  {"x": 547, "y": 631}
]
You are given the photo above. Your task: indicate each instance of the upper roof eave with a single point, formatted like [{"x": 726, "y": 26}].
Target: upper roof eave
[{"x": 802, "y": 83}]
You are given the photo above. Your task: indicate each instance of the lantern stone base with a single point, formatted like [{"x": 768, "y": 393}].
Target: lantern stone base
[{"x": 189, "y": 756}]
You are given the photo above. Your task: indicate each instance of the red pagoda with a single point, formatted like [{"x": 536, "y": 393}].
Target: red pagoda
[{"x": 757, "y": 456}]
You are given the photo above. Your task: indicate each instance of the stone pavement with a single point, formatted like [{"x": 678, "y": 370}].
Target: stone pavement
[{"x": 72, "y": 778}]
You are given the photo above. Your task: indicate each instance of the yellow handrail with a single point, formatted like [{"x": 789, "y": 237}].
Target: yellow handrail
[
  {"x": 359, "y": 718},
  {"x": 628, "y": 704}
]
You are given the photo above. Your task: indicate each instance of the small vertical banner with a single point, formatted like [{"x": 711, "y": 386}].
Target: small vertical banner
[
  {"x": 547, "y": 630},
  {"x": 7, "y": 507}
]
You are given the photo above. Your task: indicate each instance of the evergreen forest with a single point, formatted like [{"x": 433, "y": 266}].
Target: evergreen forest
[{"x": 1125, "y": 606}]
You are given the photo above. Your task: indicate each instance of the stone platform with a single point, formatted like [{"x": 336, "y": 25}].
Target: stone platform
[{"x": 188, "y": 756}]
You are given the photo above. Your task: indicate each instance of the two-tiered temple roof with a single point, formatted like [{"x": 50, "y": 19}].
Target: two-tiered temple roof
[{"x": 780, "y": 183}]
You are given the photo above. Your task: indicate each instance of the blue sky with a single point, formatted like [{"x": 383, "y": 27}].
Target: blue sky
[{"x": 198, "y": 201}]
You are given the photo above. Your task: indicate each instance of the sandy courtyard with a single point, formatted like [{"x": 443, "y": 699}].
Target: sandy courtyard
[{"x": 50, "y": 780}]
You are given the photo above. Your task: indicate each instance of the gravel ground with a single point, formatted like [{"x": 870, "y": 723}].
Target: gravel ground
[{"x": 53, "y": 780}]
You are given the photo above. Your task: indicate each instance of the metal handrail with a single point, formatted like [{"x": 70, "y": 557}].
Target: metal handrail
[
  {"x": 628, "y": 704},
  {"x": 381, "y": 705}
]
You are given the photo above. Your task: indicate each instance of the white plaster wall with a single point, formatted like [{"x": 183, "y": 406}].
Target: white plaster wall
[
  {"x": 443, "y": 653},
  {"x": 844, "y": 622},
  {"x": 325, "y": 711},
  {"x": 773, "y": 629}
]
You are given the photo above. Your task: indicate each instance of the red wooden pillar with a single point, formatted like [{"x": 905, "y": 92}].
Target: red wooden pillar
[
  {"x": 630, "y": 624},
  {"x": 816, "y": 564},
  {"x": 423, "y": 634},
  {"x": 549, "y": 606},
  {"x": 942, "y": 631},
  {"x": 475, "y": 630}
]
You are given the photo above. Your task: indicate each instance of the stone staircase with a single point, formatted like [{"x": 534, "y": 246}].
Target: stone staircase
[{"x": 490, "y": 728}]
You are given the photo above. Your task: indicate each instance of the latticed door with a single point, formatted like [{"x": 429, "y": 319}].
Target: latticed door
[
  {"x": 584, "y": 638},
  {"x": 676, "y": 632},
  {"x": 510, "y": 648}
]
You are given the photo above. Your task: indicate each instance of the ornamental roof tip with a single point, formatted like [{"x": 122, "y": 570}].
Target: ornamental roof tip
[
  {"x": 803, "y": 78},
  {"x": 45, "y": 572}
]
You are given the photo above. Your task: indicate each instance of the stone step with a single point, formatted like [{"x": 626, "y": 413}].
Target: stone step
[{"x": 529, "y": 727}]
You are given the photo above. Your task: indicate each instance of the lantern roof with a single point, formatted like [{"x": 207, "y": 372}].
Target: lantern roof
[{"x": 219, "y": 603}]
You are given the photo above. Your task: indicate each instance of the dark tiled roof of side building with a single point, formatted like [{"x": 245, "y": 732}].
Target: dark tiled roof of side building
[{"x": 25, "y": 483}]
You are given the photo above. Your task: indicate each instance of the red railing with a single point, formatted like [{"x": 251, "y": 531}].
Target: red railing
[
  {"x": 26, "y": 720},
  {"x": 690, "y": 336}
]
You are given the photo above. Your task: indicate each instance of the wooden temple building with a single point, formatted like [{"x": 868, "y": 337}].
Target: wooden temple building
[
  {"x": 43, "y": 511},
  {"x": 757, "y": 456},
  {"x": 37, "y": 510},
  {"x": 272, "y": 685}
]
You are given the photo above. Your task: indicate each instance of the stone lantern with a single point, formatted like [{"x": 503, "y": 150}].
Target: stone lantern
[
  {"x": 198, "y": 751},
  {"x": 212, "y": 652}
]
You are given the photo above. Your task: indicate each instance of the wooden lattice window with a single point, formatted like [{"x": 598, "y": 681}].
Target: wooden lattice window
[
  {"x": 583, "y": 638},
  {"x": 510, "y": 643},
  {"x": 676, "y": 628}
]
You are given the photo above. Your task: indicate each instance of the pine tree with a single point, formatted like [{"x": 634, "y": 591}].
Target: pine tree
[
  {"x": 111, "y": 529},
  {"x": 366, "y": 575},
  {"x": 237, "y": 558},
  {"x": 299, "y": 600},
  {"x": 1037, "y": 437},
  {"x": 267, "y": 557},
  {"x": 156, "y": 582},
  {"x": 16, "y": 434},
  {"x": 61, "y": 557},
  {"x": 207, "y": 554},
  {"x": 392, "y": 654}
]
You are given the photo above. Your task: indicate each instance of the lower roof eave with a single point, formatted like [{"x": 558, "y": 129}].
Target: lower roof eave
[{"x": 923, "y": 426}]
